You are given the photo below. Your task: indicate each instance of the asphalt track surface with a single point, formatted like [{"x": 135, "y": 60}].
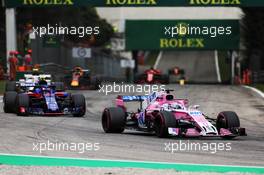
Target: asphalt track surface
[
  {"x": 200, "y": 68},
  {"x": 17, "y": 134}
]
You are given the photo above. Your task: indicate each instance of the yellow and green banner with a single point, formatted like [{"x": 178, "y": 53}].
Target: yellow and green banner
[
  {"x": 132, "y": 3},
  {"x": 182, "y": 34}
]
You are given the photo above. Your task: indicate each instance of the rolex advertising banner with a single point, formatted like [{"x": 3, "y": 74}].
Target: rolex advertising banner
[
  {"x": 132, "y": 3},
  {"x": 182, "y": 34}
]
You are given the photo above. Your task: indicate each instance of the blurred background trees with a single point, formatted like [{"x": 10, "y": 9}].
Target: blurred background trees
[
  {"x": 66, "y": 17},
  {"x": 2, "y": 37},
  {"x": 253, "y": 37}
]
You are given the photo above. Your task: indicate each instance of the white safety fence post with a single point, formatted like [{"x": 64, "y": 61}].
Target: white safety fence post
[{"x": 11, "y": 39}]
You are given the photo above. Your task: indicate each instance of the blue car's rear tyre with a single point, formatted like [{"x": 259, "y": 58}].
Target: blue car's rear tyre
[{"x": 10, "y": 101}]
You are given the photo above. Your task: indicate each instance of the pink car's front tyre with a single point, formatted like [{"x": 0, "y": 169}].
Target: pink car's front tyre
[
  {"x": 227, "y": 120},
  {"x": 163, "y": 121}
]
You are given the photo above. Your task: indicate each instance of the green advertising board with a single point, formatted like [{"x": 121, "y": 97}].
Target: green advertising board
[
  {"x": 182, "y": 34},
  {"x": 132, "y": 3},
  {"x": 50, "y": 41}
]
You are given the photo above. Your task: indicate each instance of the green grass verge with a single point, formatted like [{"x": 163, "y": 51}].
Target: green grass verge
[
  {"x": 224, "y": 66},
  {"x": 259, "y": 86},
  {"x": 52, "y": 161},
  {"x": 2, "y": 87}
]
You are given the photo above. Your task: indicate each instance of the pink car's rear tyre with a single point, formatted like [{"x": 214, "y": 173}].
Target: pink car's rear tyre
[{"x": 114, "y": 120}]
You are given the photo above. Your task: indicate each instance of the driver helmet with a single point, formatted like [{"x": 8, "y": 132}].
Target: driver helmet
[{"x": 42, "y": 81}]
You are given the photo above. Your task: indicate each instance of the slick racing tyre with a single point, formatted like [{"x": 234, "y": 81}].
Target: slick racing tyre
[
  {"x": 10, "y": 86},
  {"x": 78, "y": 101},
  {"x": 163, "y": 121},
  {"x": 10, "y": 102},
  {"x": 22, "y": 104},
  {"x": 114, "y": 120},
  {"x": 227, "y": 120}
]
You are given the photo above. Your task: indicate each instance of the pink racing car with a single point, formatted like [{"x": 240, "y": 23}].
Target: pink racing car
[{"x": 165, "y": 116}]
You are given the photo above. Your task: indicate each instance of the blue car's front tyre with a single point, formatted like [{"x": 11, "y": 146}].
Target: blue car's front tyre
[
  {"x": 22, "y": 104},
  {"x": 79, "y": 104}
]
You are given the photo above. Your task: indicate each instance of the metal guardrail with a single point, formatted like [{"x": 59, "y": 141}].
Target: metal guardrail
[
  {"x": 106, "y": 66},
  {"x": 57, "y": 71},
  {"x": 54, "y": 61}
]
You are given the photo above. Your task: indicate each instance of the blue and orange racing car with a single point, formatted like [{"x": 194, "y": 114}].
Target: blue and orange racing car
[{"x": 44, "y": 100}]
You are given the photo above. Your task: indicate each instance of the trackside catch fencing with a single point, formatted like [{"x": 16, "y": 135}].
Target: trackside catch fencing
[
  {"x": 258, "y": 77},
  {"x": 58, "y": 60}
]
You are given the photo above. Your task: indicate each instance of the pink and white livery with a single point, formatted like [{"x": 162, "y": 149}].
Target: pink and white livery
[{"x": 161, "y": 113}]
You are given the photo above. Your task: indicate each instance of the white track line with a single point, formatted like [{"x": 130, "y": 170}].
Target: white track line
[
  {"x": 260, "y": 93},
  {"x": 158, "y": 60},
  {"x": 217, "y": 67}
]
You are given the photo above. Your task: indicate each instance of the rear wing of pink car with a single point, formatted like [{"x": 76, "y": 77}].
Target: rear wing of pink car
[{"x": 144, "y": 100}]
